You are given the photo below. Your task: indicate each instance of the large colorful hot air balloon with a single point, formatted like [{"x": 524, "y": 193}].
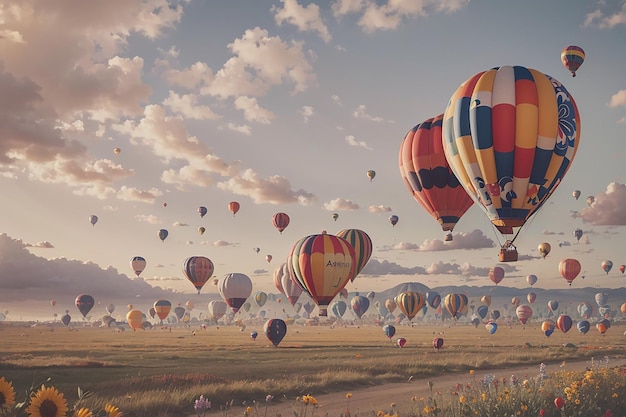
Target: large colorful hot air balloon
[
  {"x": 84, "y": 303},
  {"x": 359, "y": 305},
  {"x": 496, "y": 274},
  {"x": 410, "y": 303},
  {"x": 362, "y": 245},
  {"x": 93, "y": 219},
  {"x": 569, "y": 269},
  {"x": 428, "y": 177},
  {"x": 544, "y": 249},
  {"x": 162, "y": 308},
  {"x": 198, "y": 270},
  {"x": 510, "y": 134},
  {"x": 280, "y": 221},
  {"x": 202, "y": 211},
  {"x": 322, "y": 265},
  {"x": 162, "y": 233},
  {"x": 217, "y": 309},
  {"x": 138, "y": 264},
  {"x": 572, "y": 58},
  {"x": 235, "y": 288},
  {"x": 275, "y": 330},
  {"x": 606, "y": 265},
  {"x": 233, "y": 207},
  {"x": 134, "y": 319},
  {"x": 524, "y": 312},
  {"x": 371, "y": 174},
  {"x": 454, "y": 304}
]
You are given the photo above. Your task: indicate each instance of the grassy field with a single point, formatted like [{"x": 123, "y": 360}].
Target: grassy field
[{"x": 159, "y": 372}]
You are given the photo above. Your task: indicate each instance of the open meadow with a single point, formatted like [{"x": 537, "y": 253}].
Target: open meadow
[{"x": 160, "y": 372}]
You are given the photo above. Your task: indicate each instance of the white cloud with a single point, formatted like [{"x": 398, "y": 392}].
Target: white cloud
[
  {"x": 187, "y": 105},
  {"x": 134, "y": 194},
  {"x": 599, "y": 19},
  {"x": 361, "y": 113},
  {"x": 305, "y": 18},
  {"x": 340, "y": 204},
  {"x": 148, "y": 218},
  {"x": 379, "y": 209},
  {"x": 306, "y": 112},
  {"x": 245, "y": 129},
  {"x": 180, "y": 224},
  {"x": 252, "y": 111},
  {"x": 618, "y": 99},
  {"x": 608, "y": 207},
  {"x": 353, "y": 142}
]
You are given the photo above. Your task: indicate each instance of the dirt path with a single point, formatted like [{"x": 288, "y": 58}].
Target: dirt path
[{"x": 370, "y": 399}]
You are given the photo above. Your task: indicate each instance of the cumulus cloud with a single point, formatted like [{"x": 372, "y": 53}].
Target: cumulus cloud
[
  {"x": 379, "y": 209},
  {"x": 273, "y": 190},
  {"x": 608, "y": 207},
  {"x": 306, "y": 112},
  {"x": 376, "y": 267},
  {"x": 252, "y": 111},
  {"x": 217, "y": 243},
  {"x": 133, "y": 194},
  {"x": 148, "y": 218},
  {"x": 305, "y": 18},
  {"x": 361, "y": 113},
  {"x": 351, "y": 140},
  {"x": 340, "y": 204},
  {"x": 618, "y": 99},
  {"x": 472, "y": 240},
  {"x": 180, "y": 224},
  {"x": 44, "y": 244},
  {"x": 187, "y": 106},
  {"x": 606, "y": 20}
]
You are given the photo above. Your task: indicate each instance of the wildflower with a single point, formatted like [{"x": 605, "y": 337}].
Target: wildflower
[
  {"x": 112, "y": 411},
  {"x": 248, "y": 411},
  {"x": 47, "y": 402},
  {"x": 380, "y": 413},
  {"x": 471, "y": 372},
  {"x": 542, "y": 412},
  {"x": 84, "y": 412},
  {"x": 483, "y": 396},
  {"x": 201, "y": 405},
  {"x": 462, "y": 399},
  {"x": 615, "y": 395},
  {"x": 349, "y": 395},
  {"x": 7, "y": 394}
]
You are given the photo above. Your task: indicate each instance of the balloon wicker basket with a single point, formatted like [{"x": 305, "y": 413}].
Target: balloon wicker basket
[{"x": 508, "y": 254}]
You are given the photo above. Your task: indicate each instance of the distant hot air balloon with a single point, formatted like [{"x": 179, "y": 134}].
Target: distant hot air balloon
[
  {"x": 544, "y": 249},
  {"x": 622, "y": 308},
  {"x": 486, "y": 300},
  {"x": 437, "y": 343},
  {"x": 280, "y": 221},
  {"x": 531, "y": 279},
  {"x": 217, "y": 309},
  {"x": 410, "y": 303},
  {"x": 510, "y": 135},
  {"x": 569, "y": 269},
  {"x": 201, "y": 230},
  {"x": 275, "y": 330},
  {"x": 622, "y": 268},
  {"x": 482, "y": 311},
  {"x": 235, "y": 288},
  {"x": 134, "y": 319},
  {"x": 393, "y": 219},
  {"x": 590, "y": 200},
  {"x": 53, "y": 302},
  {"x": 268, "y": 258},
  {"x": 253, "y": 335},
  {"x": 362, "y": 245},
  {"x": 428, "y": 177},
  {"x": 164, "y": 204},
  {"x": 198, "y": 270},
  {"x": 291, "y": 288},
  {"x": 261, "y": 298},
  {"x": 371, "y": 174},
  {"x": 65, "y": 319},
  {"x": 494, "y": 314},
  {"x": 202, "y": 211},
  {"x": 564, "y": 323},
  {"x": 547, "y": 327},
  {"x": 162, "y": 233},
  {"x": 491, "y": 327},
  {"x": 277, "y": 276},
  {"x": 93, "y": 219},
  {"x": 338, "y": 308},
  {"x": 433, "y": 298},
  {"x": 576, "y": 194},
  {"x": 606, "y": 265},
  {"x": 572, "y": 58},
  {"x": 335, "y": 216},
  {"x": 137, "y": 264},
  {"x": 515, "y": 301},
  {"x": 359, "y": 305},
  {"x": 583, "y": 326},
  {"x": 531, "y": 297},
  {"x": 585, "y": 310},
  {"x": 578, "y": 233},
  {"x": 496, "y": 274},
  {"x": 401, "y": 341},
  {"x": 322, "y": 265},
  {"x": 601, "y": 298},
  {"x": 524, "y": 312},
  {"x": 391, "y": 305},
  {"x": 233, "y": 207},
  {"x": 117, "y": 151},
  {"x": 389, "y": 330},
  {"x": 162, "y": 308},
  {"x": 110, "y": 308},
  {"x": 84, "y": 303},
  {"x": 454, "y": 304},
  {"x": 553, "y": 305}
]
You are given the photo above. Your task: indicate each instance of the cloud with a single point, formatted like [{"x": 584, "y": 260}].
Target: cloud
[
  {"x": 376, "y": 267},
  {"x": 133, "y": 194},
  {"x": 379, "y": 209},
  {"x": 252, "y": 112},
  {"x": 305, "y": 18},
  {"x": 599, "y": 19},
  {"x": 187, "y": 105},
  {"x": 217, "y": 243},
  {"x": 180, "y": 224},
  {"x": 608, "y": 207},
  {"x": 148, "y": 218},
  {"x": 361, "y": 113},
  {"x": 42, "y": 245},
  {"x": 351, "y": 140},
  {"x": 618, "y": 99},
  {"x": 189, "y": 78},
  {"x": 340, "y": 204},
  {"x": 306, "y": 112},
  {"x": 244, "y": 129},
  {"x": 336, "y": 99},
  {"x": 472, "y": 240}
]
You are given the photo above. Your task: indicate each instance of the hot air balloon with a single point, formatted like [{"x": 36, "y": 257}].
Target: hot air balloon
[
  {"x": 496, "y": 274},
  {"x": 275, "y": 330},
  {"x": 590, "y": 200},
  {"x": 531, "y": 279},
  {"x": 453, "y": 303},
  {"x": 189, "y": 305},
  {"x": 371, "y": 174},
  {"x": 391, "y": 305},
  {"x": 524, "y": 312},
  {"x": 544, "y": 249},
  {"x": 410, "y": 303},
  {"x": 553, "y": 305},
  {"x": 564, "y": 323},
  {"x": 622, "y": 268},
  {"x": 202, "y": 211},
  {"x": 84, "y": 303},
  {"x": 65, "y": 319},
  {"x": 93, "y": 219},
  {"x": 547, "y": 327},
  {"x": 291, "y": 288},
  {"x": 531, "y": 297},
  {"x": 433, "y": 299},
  {"x": 235, "y": 288},
  {"x": 268, "y": 258},
  {"x": 486, "y": 300},
  {"x": 117, "y": 151},
  {"x": 482, "y": 311},
  {"x": 110, "y": 308},
  {"x": 198, "y": 270},
  {"x": 162, "y": 308},
  {"x": 335, "y": 216},
  {"x": 437, "y": 343},
  {"x": 494, "y": 314},
  {"x": 322, "y": 265},
  {"x": 428, "y": 177},
  {"x": 578, "y": 233},
  {"x": 162, "y": 233},
  {"x": 280, "y": 221},
  {"x": 572, "y": 58},
  {"x": 606, "y": 265},
  {"x": 583, "y": 326},
  {"x": 569, "y": 269},
  {"x": 137, "y": 264},
  {"x": 601, "y": 298},
  {"x": 393, "y": 219},
  {"x": 179, "y": 312},
  {"x": 233, "y": 207},
  {"x": 389, "y": 330},
  {"x": 602, "y": 328},
  {"x": 359, "y": 305},
  {"x": 217, "y": 309},
  {"x": 515, "y": 301},
  {"x": 510, "y": 135},
  {"x": 576, "y": 194},
  {"x": 585, "y": 309},
  {"x": 201, "y": 230},
  {"x": 401, "y": 341},
  {"x": 253, "y": 335},
  {"x": 134, "y": 319},
  {"x": 278, "y": 275},
  {"x": 362, "y": 245},
  {"x": 53, "y": 302},
  {"x": 261, "y": 298},
  {"x": 338, "y": 308}
]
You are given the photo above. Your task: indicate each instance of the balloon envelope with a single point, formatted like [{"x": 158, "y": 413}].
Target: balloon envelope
[
  {"x": 572, "y": 57},
  {"x": 138, "y": 264},
  {"x": 198, "y": 270},
  {"x": 564, "y": 323},
  {"x": 491, "y": 327},
  {"x": 362, "y": 245},
  {"x": 162, "y": 233},
  {"x": 65, "y": 319},
  {"x": 275, "y": 330},
  {"x": 569, "y": 269},
  {"x": 437, "y": 343},
  {"x": 496, "y": 274},
  {"x": 360, "y": 304},
  {"x": 84, "y": 303},
  {"x": 217, "y": 309},
  {"x": 93, "y": 219},
  {"x": 606, "y": 266},
  {"x": 389, "y": 330},
  {"x": 371, "y": 174},
  {"x": 531, "y": 279},
  {"x": 280, "y": 221},
  {"x": 583, "y": 326},
  {"x": 401, "y": 342},
  {"x": 134, "y": 319},
  {"x": 410, "y": 303},
  {"x": 233, "y": 207},
  {"x": 162, "y": 308},
  {"x": 202, "y": 211},
  {"x": 235, "y": 288},
  {"x": 544, "y": 249},
  {"x": 524, "y": 312},
  {"x": 393, "y": 219}
]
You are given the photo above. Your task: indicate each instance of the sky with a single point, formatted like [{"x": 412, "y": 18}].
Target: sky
[{"x": 282, "y": 106}]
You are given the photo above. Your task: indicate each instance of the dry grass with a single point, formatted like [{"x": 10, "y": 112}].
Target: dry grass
[{"x": 158, "y": 373}]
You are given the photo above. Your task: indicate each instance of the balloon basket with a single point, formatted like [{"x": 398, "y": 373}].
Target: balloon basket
[{"x": 508, "y": 255}]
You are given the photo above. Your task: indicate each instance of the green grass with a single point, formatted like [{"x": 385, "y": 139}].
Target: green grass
[{"x": 158, "y": 373}]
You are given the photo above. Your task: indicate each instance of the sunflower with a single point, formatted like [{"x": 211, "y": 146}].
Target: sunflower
[
  {"x": 7, "y": 394},
  {"x": 47, "y": 402},
  {"x": 112, "y": 411},
  {"x": 84, "y": 412}
]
